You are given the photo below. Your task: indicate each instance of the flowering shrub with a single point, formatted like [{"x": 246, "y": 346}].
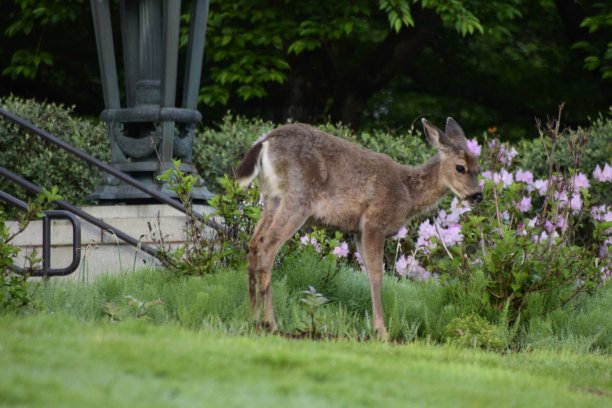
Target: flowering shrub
[{"x": 529, "y": 236}]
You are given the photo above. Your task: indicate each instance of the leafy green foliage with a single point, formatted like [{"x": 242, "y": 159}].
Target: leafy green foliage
[
  {"x": 15, "y": 290},
  {"x": 474, "y": 331},
  {"x": 26, "y": 62},
  {"x": 217, "y": 302},
  {"x": 600, "y": 52},
  {"x": 310, "y": 61},
  {"x": 313, "y": 301},
  {"x": 47, "y": 166},
  {"x": 251, "y": 43},
  {"x": 204, "y": 249},
  {"x": 13, "y": 287},
  {"x": 135, "y": 307}
]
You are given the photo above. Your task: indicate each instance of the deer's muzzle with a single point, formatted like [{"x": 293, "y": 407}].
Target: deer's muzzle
[{"x": 475, "y": 198}]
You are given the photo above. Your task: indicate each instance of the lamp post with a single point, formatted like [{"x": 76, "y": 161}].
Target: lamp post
[{"x": 146, "y": 128}]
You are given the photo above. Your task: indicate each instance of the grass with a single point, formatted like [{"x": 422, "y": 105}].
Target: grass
[
  {"x": 145, "y": 339},
  {"x": 412, "y": 309},
  {"x": 51, "y": 359}
]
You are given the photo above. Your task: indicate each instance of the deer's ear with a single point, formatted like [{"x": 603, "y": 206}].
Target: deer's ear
[
  {"x": 453, "y": 130},
  {"x": 435, "y": 136}
]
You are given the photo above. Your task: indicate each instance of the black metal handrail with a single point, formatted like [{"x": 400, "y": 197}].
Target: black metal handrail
[
  {"x": 46, "y": 270},
  {"x": 33, "y": 188},
  {"x": 103, "y": 166}
]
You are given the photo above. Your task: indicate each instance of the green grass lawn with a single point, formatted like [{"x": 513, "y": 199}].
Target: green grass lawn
[{"x": 55, "y": 360}]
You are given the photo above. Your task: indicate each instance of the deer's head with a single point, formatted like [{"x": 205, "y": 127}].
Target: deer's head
[{"x": 459, "y": 167}]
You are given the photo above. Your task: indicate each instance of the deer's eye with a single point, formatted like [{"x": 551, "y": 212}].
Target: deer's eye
[{"x": 460, "y": 169}]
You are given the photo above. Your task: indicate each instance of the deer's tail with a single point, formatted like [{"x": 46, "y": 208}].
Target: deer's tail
[{"x": 249, "y": 167}]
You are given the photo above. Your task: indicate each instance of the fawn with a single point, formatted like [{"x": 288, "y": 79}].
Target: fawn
[{"x": 307, "y": 175}]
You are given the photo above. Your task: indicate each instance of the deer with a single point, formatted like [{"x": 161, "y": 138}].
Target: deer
[{"x": 307, "y": 176}]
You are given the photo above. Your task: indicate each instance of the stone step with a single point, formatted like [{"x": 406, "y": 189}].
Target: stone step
[{"x": 102, "y": 252}]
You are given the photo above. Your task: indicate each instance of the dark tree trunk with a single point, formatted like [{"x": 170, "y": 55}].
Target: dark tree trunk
[
  {"x": 572, "y": 14},
  {"x": 316, "y": 90},
  {"x": 308, "y": 87}
]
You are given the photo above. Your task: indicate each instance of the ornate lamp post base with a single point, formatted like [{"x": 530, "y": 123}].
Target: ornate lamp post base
[{"x": 149, "y": 131}]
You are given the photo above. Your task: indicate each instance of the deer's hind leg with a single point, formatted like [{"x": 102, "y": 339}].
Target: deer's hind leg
[
  {"x": 269, "y": 208},
  {"x": 286, "y": 219}
]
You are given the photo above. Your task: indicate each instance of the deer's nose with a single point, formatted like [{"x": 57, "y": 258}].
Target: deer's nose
[{"x": 476, "y": 197}]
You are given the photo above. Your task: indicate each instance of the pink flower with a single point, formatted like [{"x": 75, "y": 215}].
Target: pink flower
[
  {"x": 473, "y": 147},
  {"x": 580, "y": 181},
  {"x": 401, "y": 234},
  {"x": 544, "y": 236},
  {"x": 426, "y": 232},
  {"x": 486, "y": 175},
  {"x": 561, "y": 223},
  {"x": 541, "y": 186},
  {"x": 409, "y": 266},
  {"x": 506, "y": 177},
  {"x": 601, "y": 213},
  {"x": 506, "y": 155},
  {"x": 524, "y": 205},
  {"x": 451, "y": 235},
  {"x": 532, "y": 222},
  {"x": 359, "y": 259},
  {"x": 312, "y": 241},
  {"x": 603, "y": 175},
  {"x": 458, "y": 208},
  {"x": 524, "y": 176},
  {"x": 562, "y": 197},
  {"x": 341, "y": 251},
  {"x": 576, "y": 203}
]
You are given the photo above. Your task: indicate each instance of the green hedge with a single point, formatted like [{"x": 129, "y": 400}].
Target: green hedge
[
  {"x": 30, "y": 156},
  {"x": 218, "y": 150}
]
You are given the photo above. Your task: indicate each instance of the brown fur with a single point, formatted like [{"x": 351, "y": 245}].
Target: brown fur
[{"x": 307, "y": 175}]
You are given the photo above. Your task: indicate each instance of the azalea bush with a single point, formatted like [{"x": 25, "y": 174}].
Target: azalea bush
[{"x": 538, "y": 241}]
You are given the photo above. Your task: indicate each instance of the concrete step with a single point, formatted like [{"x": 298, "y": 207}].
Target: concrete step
[{"x": 100, "y": 251}]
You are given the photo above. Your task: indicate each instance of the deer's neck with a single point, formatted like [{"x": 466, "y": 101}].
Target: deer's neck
[{"x": 424, "y": 184}]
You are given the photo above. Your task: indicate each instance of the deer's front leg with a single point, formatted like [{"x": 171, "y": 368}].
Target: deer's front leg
[{"x": 372, "y": 243}]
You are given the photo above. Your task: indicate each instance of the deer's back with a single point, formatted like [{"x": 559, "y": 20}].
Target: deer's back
[{"x": 338, "y": 180}]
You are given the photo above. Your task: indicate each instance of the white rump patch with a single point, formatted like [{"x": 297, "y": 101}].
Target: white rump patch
[{"x": 269, "y": 179}]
